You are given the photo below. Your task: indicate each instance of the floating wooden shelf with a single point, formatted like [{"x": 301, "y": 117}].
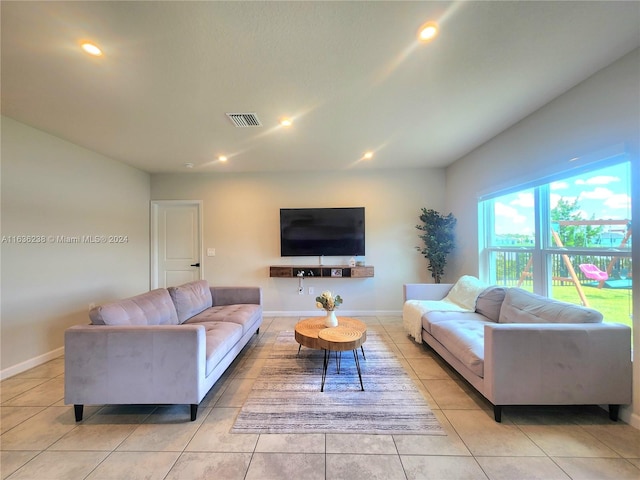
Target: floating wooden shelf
[{"x": 324, "y": 271}]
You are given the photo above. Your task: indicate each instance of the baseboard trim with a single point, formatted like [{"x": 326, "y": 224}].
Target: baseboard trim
[
  {"x": 341, "y": 313},
  {"x": 32, "y": 362},
  {"x": 634, "y": 420}
]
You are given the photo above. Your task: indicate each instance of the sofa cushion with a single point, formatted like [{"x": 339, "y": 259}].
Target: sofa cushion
[
  {"x": 244, "y": 315},
  {"x": 432, "y": 317},
  {"x": 490, "y": 301},
  {"x": 465, "y": 291},
  {"x": 150, "y": 308},
  {"x": 465, "y": 340},
  {"x": 520, "y": 306},
  {"x": 191, "y": 298},
  {"x": 413, "y": 312},
  {"x": 220, "y": 339}
]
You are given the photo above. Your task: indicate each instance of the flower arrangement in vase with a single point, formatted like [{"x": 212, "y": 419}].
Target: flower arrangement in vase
[{"x": 329, "y": 303}]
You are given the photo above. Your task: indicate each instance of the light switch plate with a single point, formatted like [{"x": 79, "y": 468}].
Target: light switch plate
[{"x": 211, "y": 252}]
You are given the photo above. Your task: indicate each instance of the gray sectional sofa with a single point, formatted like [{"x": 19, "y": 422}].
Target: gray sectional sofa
[
  {"x": 166, "y": 346},
  {"x": 518, "y": 348}
]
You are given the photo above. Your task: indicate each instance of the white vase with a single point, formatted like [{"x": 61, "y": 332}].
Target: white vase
[{"x": 331, "y": 320}]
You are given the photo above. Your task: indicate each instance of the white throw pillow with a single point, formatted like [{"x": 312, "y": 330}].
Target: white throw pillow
[{"x": 465, "y": 291}]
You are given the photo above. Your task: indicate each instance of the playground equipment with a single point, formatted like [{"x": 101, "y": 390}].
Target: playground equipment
[
  {"x": 623, "y": 244},
  {"x": 592, "y": 270}
]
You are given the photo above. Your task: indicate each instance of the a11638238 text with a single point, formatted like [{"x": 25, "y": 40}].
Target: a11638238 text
[{"x": 64, "y": 239}]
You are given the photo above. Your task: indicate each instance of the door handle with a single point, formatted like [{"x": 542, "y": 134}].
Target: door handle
[{"x": 195, "y": 264}]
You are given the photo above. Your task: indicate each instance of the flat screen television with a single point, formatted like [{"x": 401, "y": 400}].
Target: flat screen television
[{"x": 321, "y": 231}]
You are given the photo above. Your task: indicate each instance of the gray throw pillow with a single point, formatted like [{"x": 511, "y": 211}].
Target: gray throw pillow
[
  {"x": 191, "y": 298},
  {"x": 490, "y": 301}
]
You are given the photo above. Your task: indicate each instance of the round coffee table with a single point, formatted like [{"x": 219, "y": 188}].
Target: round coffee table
[
  {"x": 350, "y": 334},
  {"x": 306, "y": 331}
]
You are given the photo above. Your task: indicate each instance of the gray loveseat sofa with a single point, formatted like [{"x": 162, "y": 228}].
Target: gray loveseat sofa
[
  {"x": 518, "y": 348},
  {"x": 166, "y": 346}
]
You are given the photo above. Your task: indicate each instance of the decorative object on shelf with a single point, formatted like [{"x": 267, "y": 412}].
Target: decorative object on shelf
[
  {"x": 329, "y": 303},
  {"x": 336, "y": 272},
  {"x": 438, "y": 238},
  {"x": 352, "y": 262},
  {"x": 306, "y": 271}
]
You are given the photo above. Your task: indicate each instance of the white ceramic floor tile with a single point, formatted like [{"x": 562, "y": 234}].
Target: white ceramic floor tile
[
  {"x": 458, "y": 468},
  {"x": 521, "y": 468},
  {"x": 60, "y": 466},
  {"x": 12, "y": 461},
  {"x": 43, "y": 395},
  {"x": 213, "y": 435},
  {"x": 292, "y": 443},
  {"x": 567, "y": 441},
  {"x": 598, "y": 468},
  {"x": 279, "y": 466},
  {"x": 485, "y": 437},
  {"x": 209, "y": 466},
  {"x": 40, "y": 431},
  {"x": 12, "y": 416},
  {"x": 165, "y": 430},
  {"x": 135, "y": 466},
  {"x": 362, "y": 444},
  {"x": 364, "y": 467}
]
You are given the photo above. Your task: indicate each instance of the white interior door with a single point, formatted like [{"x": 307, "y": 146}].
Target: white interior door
[{"x": 176, "y": 243}]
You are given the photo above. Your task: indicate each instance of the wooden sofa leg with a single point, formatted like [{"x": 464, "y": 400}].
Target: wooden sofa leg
[
  {"x": 613, "y": 412},
  {"x": 497, "y": 413},
  {"x": 77, "y": 409},
  {"x": 194, "y": 411}
]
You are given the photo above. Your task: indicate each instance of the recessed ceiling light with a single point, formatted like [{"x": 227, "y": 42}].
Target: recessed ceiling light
[
  {"x": 368, "y": 155},
  {"x": 91, "y": 49},
  {"x": 428, "y": 31},
  {"x": 188, "y": 165},
  {"x": 222, "y": 158},
  {"x": 286, "y": 122}
]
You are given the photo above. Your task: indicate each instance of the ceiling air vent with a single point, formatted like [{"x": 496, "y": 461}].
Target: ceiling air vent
[{"x": 242, "y": 120}]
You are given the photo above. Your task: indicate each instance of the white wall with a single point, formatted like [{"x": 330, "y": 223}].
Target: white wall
[
  {"x": 241, "y": 221},
  {"x": 600, "y": 112},
  {"x": 51, "y": 187}
]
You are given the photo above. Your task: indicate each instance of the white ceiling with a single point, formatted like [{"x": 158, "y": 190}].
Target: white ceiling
[{"x": 351, "y": 74}]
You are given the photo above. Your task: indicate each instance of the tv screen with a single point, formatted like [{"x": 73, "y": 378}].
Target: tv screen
[{"x": 321, "y": 231}]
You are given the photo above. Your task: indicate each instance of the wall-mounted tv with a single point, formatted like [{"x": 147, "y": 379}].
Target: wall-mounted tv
[{"x": 321, "y": 231}]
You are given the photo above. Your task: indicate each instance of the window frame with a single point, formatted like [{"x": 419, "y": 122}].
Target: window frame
[{"x": 543, "y": 250}]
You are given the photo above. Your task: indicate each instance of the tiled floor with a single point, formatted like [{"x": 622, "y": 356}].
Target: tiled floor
[{"x": 40, "y": 439}]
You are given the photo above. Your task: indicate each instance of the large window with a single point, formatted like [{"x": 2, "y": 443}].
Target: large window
[{"x": 566, "y": 237}]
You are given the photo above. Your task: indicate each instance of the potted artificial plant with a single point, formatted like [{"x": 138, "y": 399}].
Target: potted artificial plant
[{"x": 438, "y": 238}]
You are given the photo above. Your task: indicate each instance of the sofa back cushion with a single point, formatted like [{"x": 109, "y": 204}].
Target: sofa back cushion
[
  {"x": 520, "y": 306},
  {"x": 490, "y": 301},
  {"x": 151, "y": 308},
  {"x": 190, "y": 299}
]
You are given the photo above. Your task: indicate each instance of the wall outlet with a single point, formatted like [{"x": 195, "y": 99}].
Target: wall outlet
[
  {"x": 300, "y": 291},
  {"x": 312, "y": 291}
]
